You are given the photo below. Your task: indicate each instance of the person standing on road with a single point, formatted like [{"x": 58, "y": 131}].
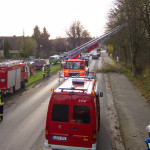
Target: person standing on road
[
  {"x": 148, "y": 143},
  {"x": 117, "y": 59},
  {"x": 148, "y": 140},
  {"x": 1, "y": 108},
  {"x": 47, "y": 70},
  {"x": 44, "y": 71}
]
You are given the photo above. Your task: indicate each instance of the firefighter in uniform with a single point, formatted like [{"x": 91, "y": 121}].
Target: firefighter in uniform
[
  {"x": 148, "y": 143},
  {"x": 47, "y": 70},
  {"x": 44, "y": 71},
  {"x": 1, "y": 108},
  {"x": 148, "y": 140}
]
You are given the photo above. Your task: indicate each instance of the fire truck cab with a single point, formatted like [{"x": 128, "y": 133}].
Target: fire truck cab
[
  {"x": 73, "y": 116},
  {"x": 75, "y": 67},
  {"x": 13, "y": 76}
]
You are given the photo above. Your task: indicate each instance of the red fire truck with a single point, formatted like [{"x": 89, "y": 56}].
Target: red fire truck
[
  {"x": 13, "y": 76},
  {"x": 75, "y": 67}
]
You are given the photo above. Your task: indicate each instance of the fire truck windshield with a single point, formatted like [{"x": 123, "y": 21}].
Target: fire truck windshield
[{"x": 74, "y": 65}]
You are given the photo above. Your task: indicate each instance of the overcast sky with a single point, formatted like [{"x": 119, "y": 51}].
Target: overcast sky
[{"x": 55, "y": 15}]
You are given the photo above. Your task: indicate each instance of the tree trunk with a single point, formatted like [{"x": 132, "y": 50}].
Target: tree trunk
[
  {"x": 125, "y": 53},
  {"x": 133, "y": 63}
]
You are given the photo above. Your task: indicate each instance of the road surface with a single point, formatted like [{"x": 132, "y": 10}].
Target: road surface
[{"x": 25, "y": 116}]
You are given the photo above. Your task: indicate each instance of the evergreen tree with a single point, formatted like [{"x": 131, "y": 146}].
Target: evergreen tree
[
  {"x": 6, "y": 49},
  {"x": 45, "y": 42},
  {"x": 37, "y": 37}
]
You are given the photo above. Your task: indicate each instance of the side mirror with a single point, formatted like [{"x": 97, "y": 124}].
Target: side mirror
[{"x": 101, "y": 94}]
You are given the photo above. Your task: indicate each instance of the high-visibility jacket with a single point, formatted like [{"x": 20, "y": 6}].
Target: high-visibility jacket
[
  {"x": 44, "y": 69},
  {"x": 31, "y": 68},
  {"x": 1, "y": 103},
  {"x": 47, "y": 69},
  {"x": 148, "y": 143}
]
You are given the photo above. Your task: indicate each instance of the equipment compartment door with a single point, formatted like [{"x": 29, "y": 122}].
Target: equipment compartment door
[
  {"x": 18, "y": 79},
  {"x": 11, "y": 78}
]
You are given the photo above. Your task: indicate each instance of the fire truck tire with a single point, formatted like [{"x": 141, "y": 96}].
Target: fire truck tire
[
  {"x": 23, "y": 84},
  {"x": 13, "y": 90},
  {"x": 98, "y": 123},
  {"x": 87, "y": 72}
]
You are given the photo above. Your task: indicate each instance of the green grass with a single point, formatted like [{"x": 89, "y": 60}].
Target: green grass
[
  {"x": 141, "y": 81},
  {"x": 39, "y": 75}
]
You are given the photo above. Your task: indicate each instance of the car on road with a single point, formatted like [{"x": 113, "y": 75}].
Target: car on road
[
  {"x": 91, "y": 53},
  {"x": 38, "y": 64},
  {"x": 87, "y": 55},
  {"x": 95, "y": 56},
  {"x": 55, "y": 59},
  {"x": 99, "y": 54}
]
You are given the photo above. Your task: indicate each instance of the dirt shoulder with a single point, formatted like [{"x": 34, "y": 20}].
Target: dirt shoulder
[{"x": 116, "y": 137}]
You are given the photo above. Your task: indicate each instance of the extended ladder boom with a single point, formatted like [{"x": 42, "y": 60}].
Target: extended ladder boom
[{"x": 94, "y": 43}]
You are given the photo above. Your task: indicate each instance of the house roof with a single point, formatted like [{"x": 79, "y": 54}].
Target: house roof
[{"x": 12, "y": 41}]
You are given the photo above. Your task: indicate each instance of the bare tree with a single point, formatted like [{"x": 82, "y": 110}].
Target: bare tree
[
  {"x": 71, "y": 33},
  {"x": 128, "y": 11},
  {"x": 77, "y": 35}
]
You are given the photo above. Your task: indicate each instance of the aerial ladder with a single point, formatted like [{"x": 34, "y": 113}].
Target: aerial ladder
[
  {"x": 70, "y": 68},
  {"x": 87, "y": 47}
]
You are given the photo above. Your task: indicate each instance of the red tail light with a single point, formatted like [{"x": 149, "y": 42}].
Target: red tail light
[
  {"x": 94, "y": 136},
  {"x": 46, "y": 134}
]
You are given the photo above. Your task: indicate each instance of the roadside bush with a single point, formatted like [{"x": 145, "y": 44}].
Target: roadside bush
[
  {"x": 142, "y": 80},
  {"x": 110, "y": 68},
  {"x": 16, "y": 56}
]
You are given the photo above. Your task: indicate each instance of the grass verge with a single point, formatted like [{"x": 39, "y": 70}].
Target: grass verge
[
  {"x": 39, "y": 75},
  {"x": 141, "y": 81}
]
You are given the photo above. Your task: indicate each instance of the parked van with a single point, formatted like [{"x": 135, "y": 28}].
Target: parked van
[
  {"x": 38, "y": 64},
  {"x": 73, "y": 116},
  {"x": 55, "y": 59}
]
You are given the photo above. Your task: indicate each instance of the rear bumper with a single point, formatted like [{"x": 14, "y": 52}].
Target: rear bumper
[
  {"x": 74, "y": 73},
  {"x": 62, "y": 147}
]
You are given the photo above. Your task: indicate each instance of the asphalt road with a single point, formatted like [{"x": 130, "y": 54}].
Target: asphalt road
[{"x": 25, "y": 116}]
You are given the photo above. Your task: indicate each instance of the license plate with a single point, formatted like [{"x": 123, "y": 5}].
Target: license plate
[{"x": 60, "y": 138}]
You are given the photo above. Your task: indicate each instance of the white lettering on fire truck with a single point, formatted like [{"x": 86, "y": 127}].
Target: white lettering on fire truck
[{"x": 82, "y": 101}]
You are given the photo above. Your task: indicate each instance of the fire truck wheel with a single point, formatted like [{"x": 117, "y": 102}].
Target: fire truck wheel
[
  {"x": 13, "y": 90},
  {"x": 98, "y": 123},
  {"x": 1, "y": 119},
  {"x": 22, "y": 84}
]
